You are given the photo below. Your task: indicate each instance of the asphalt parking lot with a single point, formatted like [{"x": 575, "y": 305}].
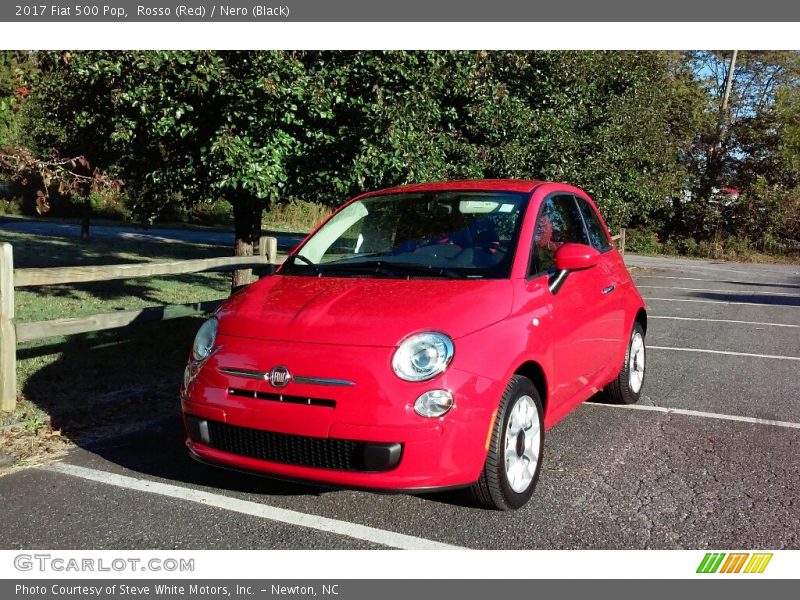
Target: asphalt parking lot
[{"x": 709, "y": 459}]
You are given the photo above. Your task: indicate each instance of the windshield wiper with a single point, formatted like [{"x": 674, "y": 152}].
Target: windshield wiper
[
  {"x": 302, "y": 258},
  {"x": 295, "y": 258}
]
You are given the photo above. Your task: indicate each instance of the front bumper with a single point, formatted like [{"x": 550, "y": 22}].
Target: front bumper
[{"x": 365, "y": 436}]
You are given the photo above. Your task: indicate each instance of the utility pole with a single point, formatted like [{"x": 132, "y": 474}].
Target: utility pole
[
  {"x": 715, "y": 163},
  {"x": 714, "y": 156},
  {"x": 723, "y": 109}
]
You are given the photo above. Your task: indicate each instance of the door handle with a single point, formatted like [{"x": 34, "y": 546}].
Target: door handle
[{"x": 609, "y": 289}]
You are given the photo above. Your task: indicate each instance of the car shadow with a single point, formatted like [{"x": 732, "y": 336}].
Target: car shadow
[
  {"x": 772, "y": 300},
  {"x": 158, "y": 450},
  {"x": 762, "y": 285},
  {"x": 114, "y": 394}
]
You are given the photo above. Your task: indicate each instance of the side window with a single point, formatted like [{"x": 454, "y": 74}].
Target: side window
[
  {"x": 597, "y": 235},
  {"x": 559, "y": 222}
]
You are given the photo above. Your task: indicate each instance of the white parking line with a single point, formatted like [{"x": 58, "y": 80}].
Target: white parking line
[
  {"x": 263, "y": 511},
  {"x": 775, "y": 283},
  {"x": 685, "y": 289},
  {"x": 722, "y": 302},
  {"x": 700, "y": 413},
  {"x": 702, "y": 350},
  {"x": 723, "y": 321}
]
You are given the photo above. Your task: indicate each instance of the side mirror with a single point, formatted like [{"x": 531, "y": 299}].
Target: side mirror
[{"x": 572, "y": 257}]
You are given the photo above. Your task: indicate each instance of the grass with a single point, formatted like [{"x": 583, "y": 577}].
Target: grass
[{"x": 74, "y": 388}]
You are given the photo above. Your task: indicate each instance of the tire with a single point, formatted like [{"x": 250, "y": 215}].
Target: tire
[
  {"x": 627, "y": 387},
  {"x": 497, "y": 489}
]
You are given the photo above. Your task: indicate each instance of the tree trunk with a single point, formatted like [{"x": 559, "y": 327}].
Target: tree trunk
[
  {"x": 247, "y": 225},
  {"x": 86, "y": 216}
]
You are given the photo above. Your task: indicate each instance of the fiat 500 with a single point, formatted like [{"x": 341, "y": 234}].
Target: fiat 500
[{"x": 423, "y": 337}]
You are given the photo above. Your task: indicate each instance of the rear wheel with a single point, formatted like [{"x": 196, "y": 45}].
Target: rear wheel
[
  {"x": 514, "y": 460},
  {"x": 627, "y": 387}
]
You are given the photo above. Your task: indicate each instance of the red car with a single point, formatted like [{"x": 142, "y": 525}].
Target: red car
[{"x": 423, "y": 337}]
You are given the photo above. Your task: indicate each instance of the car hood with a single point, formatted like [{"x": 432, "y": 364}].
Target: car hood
[{"x": 362, "y": 311}]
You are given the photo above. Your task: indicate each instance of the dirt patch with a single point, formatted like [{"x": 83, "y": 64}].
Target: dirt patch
[{"x": 21, "y": 446}]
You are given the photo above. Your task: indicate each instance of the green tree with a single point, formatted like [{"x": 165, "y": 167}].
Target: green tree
[
  {"x": 17, "y": 70},
  {"x": 609, "y": 121},
  {"x": 745, "y": 146},
  {"x": 192, "y": 125}
]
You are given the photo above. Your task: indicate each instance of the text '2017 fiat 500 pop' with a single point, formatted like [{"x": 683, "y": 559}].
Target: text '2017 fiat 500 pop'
[{"x": 423, "y": 337}]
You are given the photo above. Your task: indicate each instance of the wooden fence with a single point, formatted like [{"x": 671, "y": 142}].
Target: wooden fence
[{"x": 12, "y": 333}]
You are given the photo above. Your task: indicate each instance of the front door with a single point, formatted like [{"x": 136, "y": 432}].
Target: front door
[
  {"x": 578, "y": 316},
  {"x": 611, "y": 336}
]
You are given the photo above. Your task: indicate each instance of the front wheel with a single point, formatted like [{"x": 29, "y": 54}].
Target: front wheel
[
  {"x": 514, "y": 459},
  {"x": 627, "y": 387}
]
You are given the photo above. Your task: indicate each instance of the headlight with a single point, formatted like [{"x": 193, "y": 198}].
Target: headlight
[
  {"x": 422, "y": 356},
  {"x": 204, "y": 340}
]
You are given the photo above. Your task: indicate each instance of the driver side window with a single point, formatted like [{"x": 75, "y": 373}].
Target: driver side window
[{"x": 559, "y": 222}]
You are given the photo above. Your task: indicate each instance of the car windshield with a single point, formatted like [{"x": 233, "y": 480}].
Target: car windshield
[{"x": 443, "y": 234}]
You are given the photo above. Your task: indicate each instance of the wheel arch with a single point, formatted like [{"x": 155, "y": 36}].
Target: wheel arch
[
  {"x": 641, "y": 318},
  {"x": 534, "y": 371}
]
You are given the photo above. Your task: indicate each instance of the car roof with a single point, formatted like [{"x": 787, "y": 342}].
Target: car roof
[{"x": 500, "y": 185}]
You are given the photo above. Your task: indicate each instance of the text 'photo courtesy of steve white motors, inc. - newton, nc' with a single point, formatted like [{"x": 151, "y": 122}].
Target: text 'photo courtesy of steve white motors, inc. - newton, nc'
[
  {"x": 167, "y": 589},
  {"x": 137, "y": 590},
  {"x": 186, "y": 12}
]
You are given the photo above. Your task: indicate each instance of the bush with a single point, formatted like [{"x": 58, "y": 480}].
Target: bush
[
  {"x": 708, "y": 249},
  {"x": 772, "y": 245},
  {"x": 297, "y": 215},
  {"x": 112, "y": 206},
  {"x": 736, "y": 247},
  {"x": 10, "y": 207},
  {"x": 687, "y": 247},
  {"x": 218, "y": 212},
  {"x": 767, "y": 218},
  {"x": 642, "y": 242}
]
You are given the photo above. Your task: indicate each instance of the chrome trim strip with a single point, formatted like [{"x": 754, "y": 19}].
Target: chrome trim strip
[
  {"x": 323, "y": 381},
  {"x": 244, "y": 373},
  {"x": 264, "y": 375}
]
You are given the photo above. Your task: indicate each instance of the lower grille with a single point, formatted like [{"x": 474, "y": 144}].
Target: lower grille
[{"x": 305, "y": 451}]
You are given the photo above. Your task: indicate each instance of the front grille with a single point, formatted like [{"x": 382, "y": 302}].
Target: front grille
[
  {"x": 282, "y": 397},
  {"x": 322, "y": 453}
]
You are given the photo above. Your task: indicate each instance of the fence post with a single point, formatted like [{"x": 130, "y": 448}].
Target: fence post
[
  {"x": 8, "y": 335},
  {"x": 622, "y": 241},
  {"x": 268, "y": 246}
]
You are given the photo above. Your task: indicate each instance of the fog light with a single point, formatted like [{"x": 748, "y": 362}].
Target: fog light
[
  {"x": 434, "y": 403},
  {"x": 198, "y": 429}
]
